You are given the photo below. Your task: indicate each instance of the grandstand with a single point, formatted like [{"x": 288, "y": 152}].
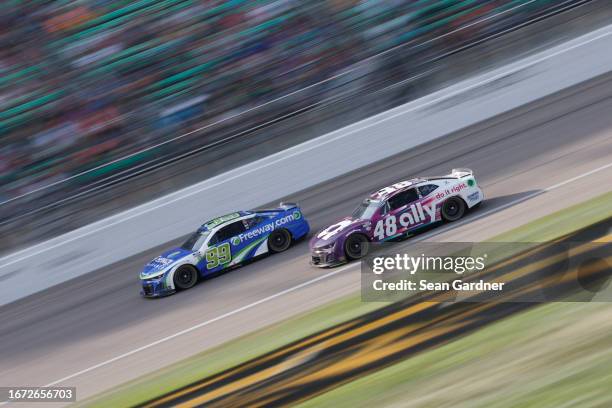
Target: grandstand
[{"x": 86, "y": 82}]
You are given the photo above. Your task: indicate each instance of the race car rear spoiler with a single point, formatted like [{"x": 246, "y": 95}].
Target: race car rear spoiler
[
  {"x": 282, "y": 206},
  {"x": 460, "y": 173},
  {"x": 287, "y": 206}
]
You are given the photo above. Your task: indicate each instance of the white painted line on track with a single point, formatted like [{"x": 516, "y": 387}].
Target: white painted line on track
[
  {"x": 322, "y": 277},
  {"x": 38, "y": 249},
  {"x": 202, "y": 324}
]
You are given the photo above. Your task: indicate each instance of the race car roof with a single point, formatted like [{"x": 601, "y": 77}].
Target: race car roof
[
  {"x": 215, "y": 222},
  {"x": 388, "y": 191}
]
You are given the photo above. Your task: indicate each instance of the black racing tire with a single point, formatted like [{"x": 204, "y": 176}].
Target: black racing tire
[
  {"x": 185, "y": 277},
  {"x": 356, "y": 246},
  {"x": 453, "y": 209},
  {"x": 279, "y": 240}
]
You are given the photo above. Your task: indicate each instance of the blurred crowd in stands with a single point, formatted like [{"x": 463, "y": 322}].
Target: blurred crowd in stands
[{"x": 86, "y": 82}]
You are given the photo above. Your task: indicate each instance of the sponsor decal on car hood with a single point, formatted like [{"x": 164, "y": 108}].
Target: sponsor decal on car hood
[
  {"x": 335, "y": 231},
  {"x": 165, "y": 260}
]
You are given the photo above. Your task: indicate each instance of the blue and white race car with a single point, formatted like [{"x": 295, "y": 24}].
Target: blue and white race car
[{"x": 221, "y": 243}]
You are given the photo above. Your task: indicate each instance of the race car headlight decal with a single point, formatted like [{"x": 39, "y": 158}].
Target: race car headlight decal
[
  {"x": 327, "y": 247},
  {"x": 154, "y": 275}
]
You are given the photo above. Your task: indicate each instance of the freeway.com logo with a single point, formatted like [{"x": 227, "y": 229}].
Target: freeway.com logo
[{"x": 265, "y": 228}]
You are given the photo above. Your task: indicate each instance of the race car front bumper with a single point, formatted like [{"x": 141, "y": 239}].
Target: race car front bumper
[
  {"x": 155, "y": 287},
  {"x": 322, "y": 259}
]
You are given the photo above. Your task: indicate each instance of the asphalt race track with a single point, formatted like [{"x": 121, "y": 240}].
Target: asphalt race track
[
  {"x": 342, "y": 353},
  {"x": 96, "y": 332}
]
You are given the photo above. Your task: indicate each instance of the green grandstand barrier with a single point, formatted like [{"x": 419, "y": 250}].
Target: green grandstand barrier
[
  {"x": 30, "y": 105},
  {"x": 18, "y": 75},
  {"x": 117, "y": 21},
  {"x": 108, "y": 169},
  {"x": 180, "y": 86}
]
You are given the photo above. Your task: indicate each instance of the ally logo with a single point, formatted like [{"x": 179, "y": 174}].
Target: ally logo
[{"x": 415, "y": 214}]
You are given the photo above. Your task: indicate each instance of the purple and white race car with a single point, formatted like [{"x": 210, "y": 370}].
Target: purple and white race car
[{"x": 395, "y": 212}]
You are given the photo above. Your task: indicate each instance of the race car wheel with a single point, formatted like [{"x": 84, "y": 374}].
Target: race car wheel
[
  {"x": 356, "y": 246},
  {"x": 279, "y": 240},
  {"x": 185, "y": 277},
  {"x": 453, "y": 209}
]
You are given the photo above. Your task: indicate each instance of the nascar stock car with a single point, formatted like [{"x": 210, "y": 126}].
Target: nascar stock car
[
  {"x": 221, "y": 243},
  {"x": 395, "y": 212}
]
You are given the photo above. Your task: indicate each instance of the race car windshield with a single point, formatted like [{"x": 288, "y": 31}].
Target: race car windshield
[
  {"x": 366, "y": 209},
  {"x": 196, "y": 240}
]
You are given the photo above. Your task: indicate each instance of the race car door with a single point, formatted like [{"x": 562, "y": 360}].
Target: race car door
[
  {"x": 403, "y": 213},
  {"x": 429, "y": 203},
  {"x": 220, "y": 250}
]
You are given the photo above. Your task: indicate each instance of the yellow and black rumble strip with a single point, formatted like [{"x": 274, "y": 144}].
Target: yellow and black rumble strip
[{"x": 345, "y": 352}]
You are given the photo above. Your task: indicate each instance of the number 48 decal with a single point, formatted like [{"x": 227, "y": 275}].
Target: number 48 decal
[
  {"x": 218, "y": 256},
  {"x": 385, "y": 228},
  {"x": 416, "y": 214}
]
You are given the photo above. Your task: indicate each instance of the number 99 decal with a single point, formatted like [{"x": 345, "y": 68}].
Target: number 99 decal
[{"x": 218, "y": 256}]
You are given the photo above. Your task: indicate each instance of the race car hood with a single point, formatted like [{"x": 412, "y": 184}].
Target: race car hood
[
  {"x": 337, "y": 231},
  {"x": 165, "y": 260}
]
